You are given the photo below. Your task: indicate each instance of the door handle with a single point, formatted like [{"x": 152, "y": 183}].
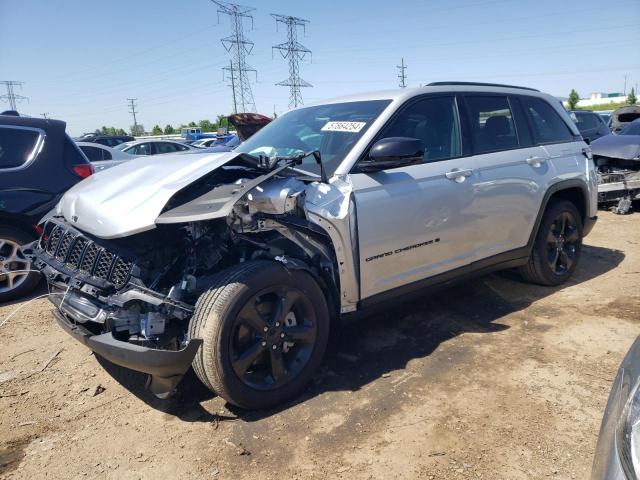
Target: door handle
[
  {"x": 536, "y": 161},
  {"x": 459, "y": 174}
]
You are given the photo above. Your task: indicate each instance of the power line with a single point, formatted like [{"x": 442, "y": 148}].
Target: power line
[
  {"x": 293, "y": 51},
  {"x": 11, "y": 96},
  {"x": 133, "y": 111},
  {"x": 239, "y": 47},
  {"x": 401, "y": 74}
]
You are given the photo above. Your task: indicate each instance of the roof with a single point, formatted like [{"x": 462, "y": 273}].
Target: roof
[
  {"x": 152, "y": 140},
  {"x": 406, "y": 93},
  {"x": 34, "y": 122}
]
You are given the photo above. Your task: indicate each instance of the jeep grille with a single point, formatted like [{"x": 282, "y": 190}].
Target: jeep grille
[{"x": 85, "y": 256}]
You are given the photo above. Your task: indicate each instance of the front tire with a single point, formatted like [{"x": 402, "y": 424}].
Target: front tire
[
  {"x": 557, "y": 246},
  {"x": 16, "y": 276},
  {"x": 264, "y": 330}
]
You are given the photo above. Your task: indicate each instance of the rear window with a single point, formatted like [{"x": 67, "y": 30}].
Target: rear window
[
  {"x": 94, "y": 154},
  {"x": 72, "y": 154},
  {"x": 628, "y": 117},
  {"x": 546, "y": 123},
  {"x": 17, "y": 145},
  {"x": 492, "y": 125}
]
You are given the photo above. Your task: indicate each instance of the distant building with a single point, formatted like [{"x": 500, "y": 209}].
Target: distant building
[{"x": 601, "y": 98}]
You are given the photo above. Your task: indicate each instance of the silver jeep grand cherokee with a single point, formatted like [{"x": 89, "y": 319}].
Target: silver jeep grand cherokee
[{"x": 237, "y": 262}]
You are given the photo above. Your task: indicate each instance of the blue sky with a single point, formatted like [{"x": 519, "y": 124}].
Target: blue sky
[{"x": 81, "y": 60}]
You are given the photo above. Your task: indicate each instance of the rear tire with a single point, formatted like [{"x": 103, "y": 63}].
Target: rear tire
[
  {"x": 557, "y": 246},
  {"x": 264, "y": 330},
  {"x": 18, "y": 284}
]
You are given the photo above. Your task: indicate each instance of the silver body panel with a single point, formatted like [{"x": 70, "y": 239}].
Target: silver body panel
[
  {"x": 389, "y": 228},
  {"x": 128, "y": 198}
]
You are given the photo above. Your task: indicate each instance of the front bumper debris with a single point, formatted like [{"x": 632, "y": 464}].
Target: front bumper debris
[
  {"x": 166, "y": 367},
  {"x": 101, "y": 301}
]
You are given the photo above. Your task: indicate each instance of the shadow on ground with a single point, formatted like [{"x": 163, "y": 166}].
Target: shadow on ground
[{"x": 363, "y": 350}]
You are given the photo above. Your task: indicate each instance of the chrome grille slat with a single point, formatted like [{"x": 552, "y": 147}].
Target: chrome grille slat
[
  {"x": 63, "y": 248},
  {"x": 120, "y": 272},
  {"x": 76, "y": 253},
  {"x": 89, "y": 258},
  {"x": 54, "y": 239},
  {"x": 103, "y": 265}
]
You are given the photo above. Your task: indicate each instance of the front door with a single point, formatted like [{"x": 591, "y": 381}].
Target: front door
[{"x": 413, "y": 221}]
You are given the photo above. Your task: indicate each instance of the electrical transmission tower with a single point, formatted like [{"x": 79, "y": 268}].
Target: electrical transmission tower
[
  {"x": 401, "y": 74},
  {"x": 239, "y": 47},
  {"x": 133, "y": 111},
  {"x": 293, "y": 51},
  {"x": 11, "y": 96}
]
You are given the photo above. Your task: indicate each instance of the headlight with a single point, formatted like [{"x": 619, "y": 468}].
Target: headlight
[{"x": 628, "y": 435}]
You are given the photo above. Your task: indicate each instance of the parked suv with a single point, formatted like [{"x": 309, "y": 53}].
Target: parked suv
[
  {"x": 237, "y": 263},
  {"x": 107, "y": 140},
  {"x": 38, "y": 163}
]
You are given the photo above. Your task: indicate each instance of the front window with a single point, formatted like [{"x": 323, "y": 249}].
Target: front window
[{"x": 332, "y": 129}]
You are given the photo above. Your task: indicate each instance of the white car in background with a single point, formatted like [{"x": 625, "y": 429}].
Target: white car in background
[
  {"x": 103, "y": 157},
  {"x": 153, "y": 147}
]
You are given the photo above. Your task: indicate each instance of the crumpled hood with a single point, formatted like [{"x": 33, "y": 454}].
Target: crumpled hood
[
  {"x": 127, "y": 198},
  {"x": 626, "y": 147}
]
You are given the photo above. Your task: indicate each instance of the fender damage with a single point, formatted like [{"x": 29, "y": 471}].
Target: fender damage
[{"x": 126, "y": 285}]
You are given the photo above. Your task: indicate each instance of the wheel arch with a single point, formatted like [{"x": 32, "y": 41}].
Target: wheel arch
[
  {"x": 573, "y": 190},
  {"x": 20, "y": 223}
]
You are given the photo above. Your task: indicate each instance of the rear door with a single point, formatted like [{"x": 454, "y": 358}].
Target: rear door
[
  {"x": 412, "y": 221},
  {"x": 510, "y": 173},
  {"x": 553, "y": 135}
]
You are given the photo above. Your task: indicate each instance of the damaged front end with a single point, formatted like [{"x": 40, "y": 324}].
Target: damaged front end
[
  {"x": 131, "y": 299},
  {"x": 618, "y": 182}
]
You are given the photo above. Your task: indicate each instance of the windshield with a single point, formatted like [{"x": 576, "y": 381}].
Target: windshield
[
  {"x": 632, "y": 129},
  {"x": 333, "y": 129}
]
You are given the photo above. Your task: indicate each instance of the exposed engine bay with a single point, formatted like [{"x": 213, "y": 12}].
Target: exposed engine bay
[
  {"x": 142, "y": 289},
  {"x": 618, "y": 183}
]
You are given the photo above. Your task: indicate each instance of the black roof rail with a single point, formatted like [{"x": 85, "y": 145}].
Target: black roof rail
[{"x": 478, "y": 84}]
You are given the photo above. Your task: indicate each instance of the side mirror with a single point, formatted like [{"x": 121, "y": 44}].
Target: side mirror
[{"x": 393, "y": 152}]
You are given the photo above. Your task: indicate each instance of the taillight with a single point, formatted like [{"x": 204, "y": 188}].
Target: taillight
[
  {"x": 84, "y": 170},
  {"x": 39, "y": 229}
]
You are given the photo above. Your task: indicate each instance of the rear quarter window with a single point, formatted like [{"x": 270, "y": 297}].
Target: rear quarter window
[
  {"x": 17, "y": 146},
  {"x": 72, "y": 153},
  {"x": 546, "y": 124},
  {"x": 94, "y": 154}
]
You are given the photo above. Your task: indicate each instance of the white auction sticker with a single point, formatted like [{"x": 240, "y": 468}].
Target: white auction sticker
[{"x": 351, "y": 127}]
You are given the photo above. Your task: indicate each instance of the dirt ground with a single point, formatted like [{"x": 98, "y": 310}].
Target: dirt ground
[{"x": 492, "y": 379}]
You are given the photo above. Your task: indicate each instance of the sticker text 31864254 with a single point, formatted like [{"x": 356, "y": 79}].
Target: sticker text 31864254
[{"x": 349, "y": 127}]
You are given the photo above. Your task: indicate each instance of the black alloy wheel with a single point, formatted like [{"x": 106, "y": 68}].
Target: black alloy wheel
[
  {"x": 264, "y": 329},
  {"x": 556, "y": 249},
  {"x": 273, "y": 337},
  {"x": 562, "y": 243}
]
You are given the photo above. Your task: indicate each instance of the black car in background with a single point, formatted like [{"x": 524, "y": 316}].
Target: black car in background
[
  {"x": 108, "y": 140},
  {"x": 38, "y": 163},
  {"x": 591, "y": 125}
]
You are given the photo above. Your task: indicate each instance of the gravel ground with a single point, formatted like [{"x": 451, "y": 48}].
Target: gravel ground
[{"x": 489, "y": 379}]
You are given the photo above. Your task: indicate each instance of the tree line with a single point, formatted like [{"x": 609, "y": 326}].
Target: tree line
[{"x": 138, "y": 130}]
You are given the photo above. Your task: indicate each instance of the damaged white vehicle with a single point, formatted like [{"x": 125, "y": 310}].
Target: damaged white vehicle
[{"x": 236, "y": 263}]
